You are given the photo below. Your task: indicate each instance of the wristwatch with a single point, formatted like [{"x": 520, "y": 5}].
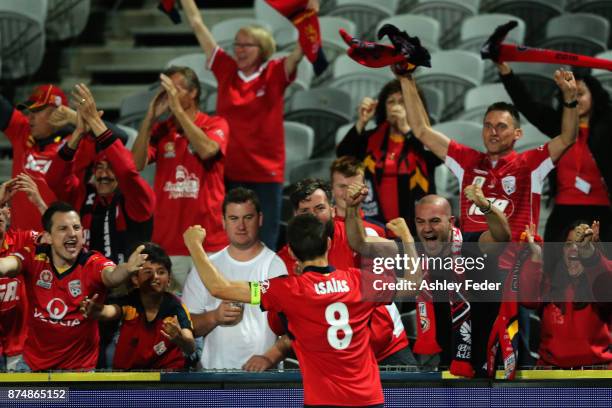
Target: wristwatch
[{"x": 571, "y": 104}]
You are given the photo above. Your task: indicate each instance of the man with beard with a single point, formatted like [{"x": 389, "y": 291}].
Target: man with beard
[
  {"x": 59, "y": 275},
  {"x": 439, "y": 239}
]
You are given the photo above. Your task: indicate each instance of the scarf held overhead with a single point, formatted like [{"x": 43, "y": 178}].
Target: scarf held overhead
[{"x": 307, "y": 23}]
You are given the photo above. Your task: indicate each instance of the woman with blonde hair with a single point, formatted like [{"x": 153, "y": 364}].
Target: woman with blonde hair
[{"x": 251, "y": 89}]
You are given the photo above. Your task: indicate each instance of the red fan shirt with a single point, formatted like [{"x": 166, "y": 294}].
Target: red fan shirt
[
  {"x": 329, "y": 323},
  {"x": 141, "y": 344},
  {"x": 59, "y": 336},
  {"x": 188, "y": 190},
  {"x": 13, "y": 299},
  {"x": 513, "y": 184},
  {"x": 253, "y": 107}
]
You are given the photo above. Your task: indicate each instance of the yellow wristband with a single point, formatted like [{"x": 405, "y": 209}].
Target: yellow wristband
[{"x": 255, "y": 293}]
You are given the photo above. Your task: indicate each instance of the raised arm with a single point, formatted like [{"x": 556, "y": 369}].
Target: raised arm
[
  {"x": 569, "y": 122},
  {"x": 204, "y": 146},
  {"x": 202, "y": 33},
  {"x": 543, "y": 116},
  {"x": 140, "y": 148},
  {"x": 419, "y": 122},
  {"x": 115, "y": 276},
  {"x": 292, "y": 60},
  {"x": 98, "y": 311},
  {"x": 217, "y": 285},
  {"x": 499, "y": 229}
]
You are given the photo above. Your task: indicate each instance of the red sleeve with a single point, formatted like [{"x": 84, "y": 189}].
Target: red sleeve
[
  {"x": 275, "y": 323},
  {"x": 535, "y": 157},
  {"x": 140, "y": 198},
  {"x": 25, "y": 254},
  {"x": 18, "y": 129},
  {"x": 218, "y": 131},
  {"x": 530, "y": 284},
  {"x": 97, "y": 263},
  {"x": 61, "y": 176},
  {"x": 462, "y": 154},
  {"x": 222, "y": 66},
  {"x": 276, "y": 293}
]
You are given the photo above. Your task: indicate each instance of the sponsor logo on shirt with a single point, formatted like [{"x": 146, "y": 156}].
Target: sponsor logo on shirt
[
  {"x": 44, "y": 279},
  {"x": 57, "y": 309},
  {"x": 502, "y": 204},
  {"x": 483, "y": 172},
  {"x": 75, "y": 287},
  {"x": 509, "y": 184},
  {"x": 186, "y": 185},
  {"x": 169, "y": 150},
  {"x": 37, "y": 165},
  {"x": 160, "y": 348},
  {"x": 8, "y": 293}
]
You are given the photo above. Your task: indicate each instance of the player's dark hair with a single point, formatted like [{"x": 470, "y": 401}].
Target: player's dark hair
[
  {"x": 191, "y": 79},
  {"x": 307, "y": 237},
  {"x": 241, "y": 195},
  {"x": 302, "y": 189},
  {"x": 157, "y": 255},
  {"x": 505, "y": 107},
  {"x": 54, "y": 207}
]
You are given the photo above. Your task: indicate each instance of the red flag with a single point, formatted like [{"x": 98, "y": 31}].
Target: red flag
[{"x": 169, "y": 7}]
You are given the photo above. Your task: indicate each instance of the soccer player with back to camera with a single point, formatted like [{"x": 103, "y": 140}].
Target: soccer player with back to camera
[
  {"x": 59, "y": 274},
  {"x": 332, "y": 340}
]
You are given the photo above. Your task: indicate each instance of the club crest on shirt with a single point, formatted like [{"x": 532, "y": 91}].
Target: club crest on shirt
[
  {"x": 75, "y": 287},
  {"x": 264, "y": 285},
  {"x": 160, "y": 348},
  {"x": 44, "y": 279},
  {"x": 169, "y": 150},
  {"x": 187, "y": 184},
  {"x": 509, "y": 184}
]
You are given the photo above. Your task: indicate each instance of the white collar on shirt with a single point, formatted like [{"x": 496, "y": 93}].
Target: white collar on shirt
[{"x": 254, "y": 75}]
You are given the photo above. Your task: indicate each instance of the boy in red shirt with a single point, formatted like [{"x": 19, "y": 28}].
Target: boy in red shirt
[{"x": 156, "y": 330}]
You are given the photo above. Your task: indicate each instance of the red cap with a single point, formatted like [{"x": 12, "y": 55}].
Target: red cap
[{"x": 44, "y": 95}]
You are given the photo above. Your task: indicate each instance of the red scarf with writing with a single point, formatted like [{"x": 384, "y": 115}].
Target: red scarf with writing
[{"x": 426, "y": 342}]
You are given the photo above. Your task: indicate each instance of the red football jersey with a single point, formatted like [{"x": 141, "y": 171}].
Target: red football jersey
[
  {"x": 329, "y": 323},
  {"x": 141, "y": 344},
  {"x": 254, "y": 108},
  {"x": 59, "y": 336},
  {"x": 513, "y": 185},
  {"x": 388, "y": 334},
  {"x": 189, "y": 191},
  {"x": 13, "y": 299}
]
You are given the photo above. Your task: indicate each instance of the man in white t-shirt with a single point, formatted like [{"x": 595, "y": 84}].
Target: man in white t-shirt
[{"x": 234, "y": 332}]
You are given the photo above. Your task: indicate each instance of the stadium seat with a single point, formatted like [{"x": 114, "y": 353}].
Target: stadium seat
[
  {"x": 131, "y": 133},
  {"x": 604, "y": 76},
  {"x": 22, "y": 36},
  {"x": 601, "y": 8},
  {"x": 447, "y": 186},
  {"x": 317, "y": 168},
  {"x": 303, "y": 77},
  {"x": 476, "y": 30},
  {"x": 581, "y": 33},
  {"x": 225, "y": 31},
  {"x": 464, "y": 132},
  {"x": 6, "y": 168},
  {"x": 454, "y": 72},
  {"x": 538, "y": 78},
  {"x": 477, "y": 100},
  {"x": 450, "y": 14},
  {"x": 210, "y": 106},
  {"x": 299, "y": 143},
  {"x": 434, "y": 100},
  {"x": 410, "y": 325},
  {"x": 197, "y": 62},
  {"x": 324, "y": 110},
  {"x": 283, "y": 31},
  {"x": 358, "y": 81},
  {"x": 535, "y": 14},
  {"x": 333, "y": 44},
  {"x": 424, "y": 27},
  {"x": 343, "y": 130},
  {"x": 66, "y": 18},
  {"x": 364, "y": 13},
  {"x": 134, "y": 108}
]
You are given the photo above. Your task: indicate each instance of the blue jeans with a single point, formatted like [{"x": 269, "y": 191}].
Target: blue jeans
[{"x": 271, "y": 197}]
